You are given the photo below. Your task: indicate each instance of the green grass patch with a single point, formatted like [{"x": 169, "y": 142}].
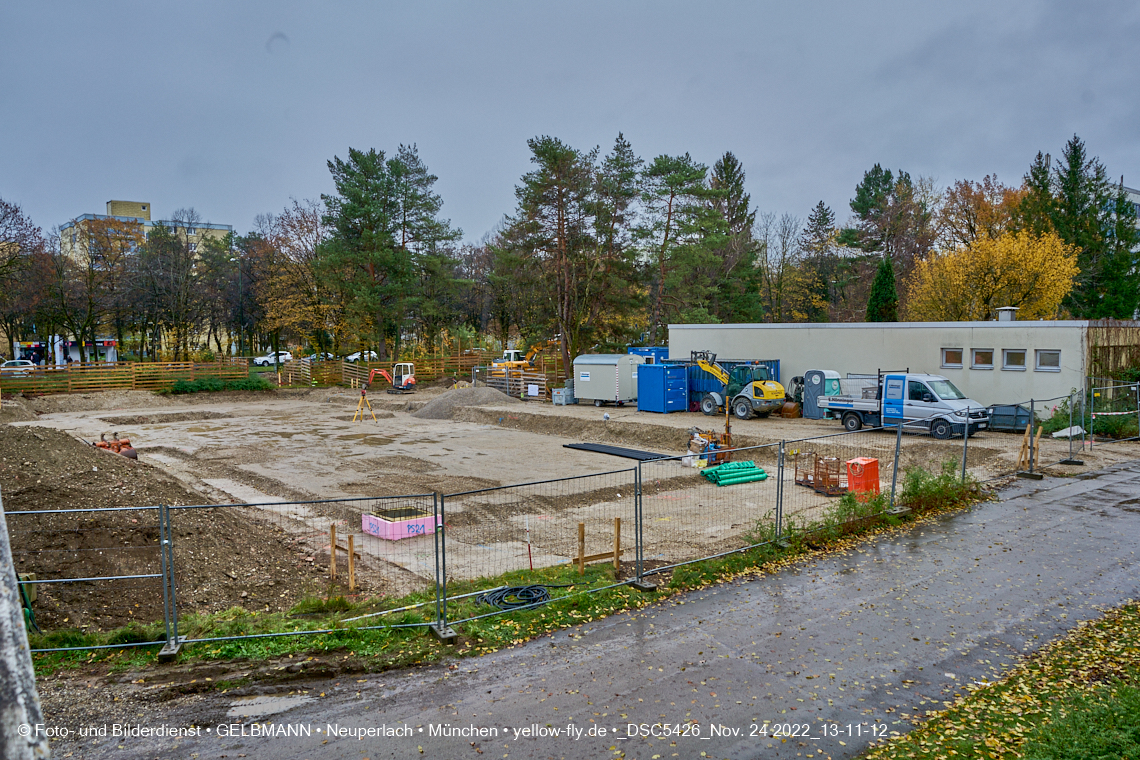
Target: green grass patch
[
  {"x": 1075, "y": 699},
  {"x": 216, "y": 384},
  {"x": 399, "y": 638}
]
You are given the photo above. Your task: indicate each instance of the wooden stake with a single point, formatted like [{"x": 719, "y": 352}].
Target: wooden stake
[
  {"x": 1037, "y": 448},
  {"x": 617, "y": 546},
  {"x": 351, "y": 566},
  {"x": 332, "y": 551},
  {"x": 581, "y": 548}
]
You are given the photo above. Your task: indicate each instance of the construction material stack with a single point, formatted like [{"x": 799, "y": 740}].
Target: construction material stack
[{"x": 733, "y": 473}]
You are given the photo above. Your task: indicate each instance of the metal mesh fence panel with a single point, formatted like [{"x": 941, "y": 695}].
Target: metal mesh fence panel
[
  {"x": 531, "y": 526},
  {"x": 1113, "y": 411},
  {"x": 89, "y": 569},
  {"x": 818, "y": 471},
  {"x": 690, "y": 511},
  {"x": 288, "y": 551}
]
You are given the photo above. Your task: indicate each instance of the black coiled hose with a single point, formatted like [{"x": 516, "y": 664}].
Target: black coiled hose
[{"x": 514, "y": 597}]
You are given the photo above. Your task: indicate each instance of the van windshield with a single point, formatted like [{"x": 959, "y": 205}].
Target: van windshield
[{"x": 945, "y": 390}]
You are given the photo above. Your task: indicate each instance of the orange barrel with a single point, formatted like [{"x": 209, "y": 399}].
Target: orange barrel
[{"x": 863, "y": 475}]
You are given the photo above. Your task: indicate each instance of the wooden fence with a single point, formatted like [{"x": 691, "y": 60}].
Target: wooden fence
[{"x": 85, "y": 377}]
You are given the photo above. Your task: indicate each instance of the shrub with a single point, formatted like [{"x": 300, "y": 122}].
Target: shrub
[
  {"x": 214, "y": 384},
  {"x": 923, "y": 490}
]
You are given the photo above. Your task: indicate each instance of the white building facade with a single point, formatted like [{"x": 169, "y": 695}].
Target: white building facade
[{"x": 991, "y": 362}]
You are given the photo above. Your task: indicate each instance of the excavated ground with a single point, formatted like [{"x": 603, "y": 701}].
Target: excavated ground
[{"x": 303, "y": 445}]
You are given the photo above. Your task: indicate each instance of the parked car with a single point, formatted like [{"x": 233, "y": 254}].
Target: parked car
[
  {"x": 17, "y": 367},
  {"x": 280, "y": 358},
  {"x": 368, "y": 356},
  {"x": 319, "y": 357}
]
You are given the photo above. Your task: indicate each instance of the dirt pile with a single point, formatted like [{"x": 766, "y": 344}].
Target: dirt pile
[
  {"x": 223, "y": 557},
  {"x": 444, "y": 406},
  {"x": 15, "y": 408}
]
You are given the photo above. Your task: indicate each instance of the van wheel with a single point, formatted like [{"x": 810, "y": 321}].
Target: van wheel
[
  {"x": 941, "y": 429},
  {"x": 742, "y": 409},
  {"x": 708, "y": 404},
  {"x": 852, "y": 422},
  {"x": 598, "y": 402}
]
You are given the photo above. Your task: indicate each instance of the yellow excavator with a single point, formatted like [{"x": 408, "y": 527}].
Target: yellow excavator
[
  {"x": 513, "y": 358},
  {"x": 748, "y": 388}
]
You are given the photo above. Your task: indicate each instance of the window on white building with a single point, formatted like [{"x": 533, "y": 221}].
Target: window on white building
[
  {"x": 1013, "y": 358},
  {"x": 983, "y": 358},
  {"x": 1048, "y": 360},
  {"x": 952, "y": 358}
]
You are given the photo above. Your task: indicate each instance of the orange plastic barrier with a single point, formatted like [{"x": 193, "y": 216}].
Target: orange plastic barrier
[{"x": 863, "y": 476}]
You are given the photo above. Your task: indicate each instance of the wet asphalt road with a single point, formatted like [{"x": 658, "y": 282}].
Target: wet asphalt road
[{"x": 843, "y": 648}]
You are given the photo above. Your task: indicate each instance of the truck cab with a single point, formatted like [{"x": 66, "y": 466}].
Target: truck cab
[
  {"x": 510, "y": 356},
  {"x": 931, "y": 401}
]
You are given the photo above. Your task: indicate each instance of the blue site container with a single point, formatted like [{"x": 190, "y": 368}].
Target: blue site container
[
  {"x": 701, "y": 382},
  {"x": 652, "y": 354},
  {"x": 662, "y": 388}
]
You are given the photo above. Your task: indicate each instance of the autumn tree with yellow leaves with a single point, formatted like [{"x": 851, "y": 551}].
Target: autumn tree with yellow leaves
[{"x": 1033, "y": 273}]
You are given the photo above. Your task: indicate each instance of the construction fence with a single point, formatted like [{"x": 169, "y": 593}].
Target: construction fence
[
  {"x": 100, "y": 569},
  {"x": 82, "y": 377}
]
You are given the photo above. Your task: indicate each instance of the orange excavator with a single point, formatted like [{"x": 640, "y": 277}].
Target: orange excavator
[{"x": 403, "y": 377}]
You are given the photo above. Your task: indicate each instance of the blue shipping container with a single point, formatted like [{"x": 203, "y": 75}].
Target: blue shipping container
[
  {"x": 652, "y": 354},
  {"x": 662, "y": 388}
]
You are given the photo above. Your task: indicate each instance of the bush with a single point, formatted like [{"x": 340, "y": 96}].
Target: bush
[
  {"x": 923, "y": 490},
  {"x": 214, "y": 384}
]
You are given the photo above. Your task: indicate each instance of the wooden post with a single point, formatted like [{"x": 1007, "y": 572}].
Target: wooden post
[
  {"x": 581, "y": 548},
  {"x": 332, "y": 551},
  {"x": 351, "y": 566},
  {"x": 617, "y": 546},
  {"x": 1037, "y": 447}
]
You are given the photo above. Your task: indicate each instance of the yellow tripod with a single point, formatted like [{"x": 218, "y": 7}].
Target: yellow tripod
[{"x": 364, "y": 402}]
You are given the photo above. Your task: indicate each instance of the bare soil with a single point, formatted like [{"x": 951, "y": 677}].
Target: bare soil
[
  {"x": 301, "y": 445},
  {"x": 224, "y": 557}
]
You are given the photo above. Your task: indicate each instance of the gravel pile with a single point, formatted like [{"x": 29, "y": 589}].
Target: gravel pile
[{"x": 444, "y": 406}]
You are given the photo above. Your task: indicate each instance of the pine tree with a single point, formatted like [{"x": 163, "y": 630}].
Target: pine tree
[
  {"x": 1077, "y": 201},
  {"x": 817, "y": 241},
  {"x": 883, "y": 303}
]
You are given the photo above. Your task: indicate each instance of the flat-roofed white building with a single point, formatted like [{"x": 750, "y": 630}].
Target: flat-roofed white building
[{"x": 997, "y": 362}]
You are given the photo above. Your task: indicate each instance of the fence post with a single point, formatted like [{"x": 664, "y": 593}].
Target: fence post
[
  {"x": 1092, "y": 413},
  {"x": 17, "y": 677},
  {"x": 965, "y": 442},
  {"x": 639, "y": 584},
  {"x": 895, "y": 468},
  {"x": 1072, "y": 403},
  {"x": 173, "y": 644},
  {"x": 1032, "y": 428},
  {"x": 440, "y": 629},
  {"x": 780, "y": 491}
]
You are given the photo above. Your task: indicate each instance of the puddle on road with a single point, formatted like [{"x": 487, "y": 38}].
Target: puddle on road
[{"x": 256, "y": 707}]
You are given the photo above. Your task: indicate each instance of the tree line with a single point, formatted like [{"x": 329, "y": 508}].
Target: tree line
[{"x": 601, "y": 250}]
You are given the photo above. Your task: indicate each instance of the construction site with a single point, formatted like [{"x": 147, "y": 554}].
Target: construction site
[{"x": 261, "y": 486}]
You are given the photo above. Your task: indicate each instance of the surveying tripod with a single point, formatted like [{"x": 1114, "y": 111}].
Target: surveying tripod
[{"x": 364, "y": 402}]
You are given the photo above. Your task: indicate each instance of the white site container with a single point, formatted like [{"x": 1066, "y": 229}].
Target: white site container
[{"x": 606, "y": 377}]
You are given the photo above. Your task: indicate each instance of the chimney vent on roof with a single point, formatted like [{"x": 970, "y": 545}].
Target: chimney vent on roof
[{"x": 1007, "y": 314}]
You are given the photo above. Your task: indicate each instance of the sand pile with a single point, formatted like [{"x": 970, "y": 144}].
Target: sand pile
[{"x": 444, "y": 406}]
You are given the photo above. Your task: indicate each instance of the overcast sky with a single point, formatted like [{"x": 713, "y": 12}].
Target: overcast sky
[{"x": 233, "y": 108}]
